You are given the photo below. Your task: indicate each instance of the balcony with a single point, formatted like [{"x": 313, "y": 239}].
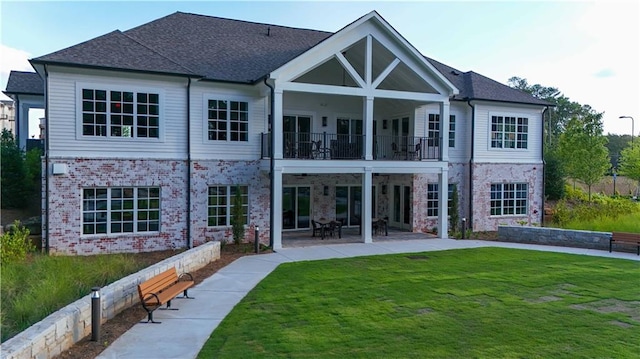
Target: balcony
[{"x": 330, "y": 146}]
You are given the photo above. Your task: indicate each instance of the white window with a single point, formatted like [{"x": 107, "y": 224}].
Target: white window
[
  {"x": 452, "y": 131},
  {"x": 434, "y": 130},
  {"x": 227, "y": 120},
  {"x": 119, "y": 113},
  {"x": 432, "y": 198},
  {"x": 221, "y": 202},
  {"x": 120, "y": 210},
  {"x": 509, "y": 132},
  {"x": 509, "y": 199}
]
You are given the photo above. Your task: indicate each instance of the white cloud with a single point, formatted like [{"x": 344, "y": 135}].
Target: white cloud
[{"x": 12, "y": 59}]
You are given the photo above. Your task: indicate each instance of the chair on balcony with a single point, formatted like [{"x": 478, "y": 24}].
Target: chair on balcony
[
  {"x": 415, "y": 155},
  {"x": 317, "y": 151},
  {"x": 397, "y": 154}
]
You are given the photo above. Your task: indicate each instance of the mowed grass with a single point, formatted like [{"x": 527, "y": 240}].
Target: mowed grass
[
  {"x": 472, "y": 303},
  {"x": 42, "y": 284}
]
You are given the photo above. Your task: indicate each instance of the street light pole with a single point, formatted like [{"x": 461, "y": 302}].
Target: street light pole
[{"x": 632, "y": 130}]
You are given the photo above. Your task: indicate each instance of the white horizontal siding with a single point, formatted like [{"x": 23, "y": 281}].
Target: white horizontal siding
[
  {"x": 460, "y": 152},
  {"x": 65, "y": 120},
  {"x": 483, "y": 150},
  {"x": 201, "y": 146}
]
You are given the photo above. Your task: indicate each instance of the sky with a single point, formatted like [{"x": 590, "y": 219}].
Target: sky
[{"x": 588, "y": 50}]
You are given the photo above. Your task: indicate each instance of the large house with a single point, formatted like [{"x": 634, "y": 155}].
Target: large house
[{"x": 152, "y": 131}]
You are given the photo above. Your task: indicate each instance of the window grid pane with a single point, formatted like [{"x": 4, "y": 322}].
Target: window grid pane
[
  {"x": 509, "y": 132},
  {"x": 120, "y": 114},
  {"x": 120, "y": 210},
  {"x": 509, "y": 198},
  {"x": 434, "y": 130},
  {"x": 432, "y": 200},
  {"x": 220, "y": 205},
  {"x": 452, "y": 131}
]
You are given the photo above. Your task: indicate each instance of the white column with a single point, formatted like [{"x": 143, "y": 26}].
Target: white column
[
  {"x": 276, "y": 124},
  {"x": 22, "y": 125},
  {"x": 277, "y": 208},
  {"x": 365, "y": 221},
  {"x": 444, "y": 130},
  {"x": 368, "y": 127},
  {"x": 443, "y": 203}
]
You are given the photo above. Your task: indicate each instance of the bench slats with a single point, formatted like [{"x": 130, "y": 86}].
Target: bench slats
[
  {"x": 161, "y": 289},
  {"x": 625, "y": 238}
]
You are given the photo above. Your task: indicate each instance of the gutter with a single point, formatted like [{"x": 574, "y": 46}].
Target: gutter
[
  {"x": 544, "y": 165},
  {"x": 473, "y": 126},
  {"x": 189, "y": 241},
  {"x": 272, "y": 220},
  {"x": 46, "y": 159}
]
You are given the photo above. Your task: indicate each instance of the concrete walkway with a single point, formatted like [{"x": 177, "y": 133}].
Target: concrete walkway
[{"x": 183, "y": 332}]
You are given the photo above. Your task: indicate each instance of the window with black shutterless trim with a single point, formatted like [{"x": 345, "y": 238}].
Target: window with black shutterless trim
[
  {"x": 227, "y": 120},
  {"x": 120, "y": 210}
]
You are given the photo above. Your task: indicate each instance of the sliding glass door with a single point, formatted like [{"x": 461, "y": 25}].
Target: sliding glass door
[{"x": 296, "y": 207}]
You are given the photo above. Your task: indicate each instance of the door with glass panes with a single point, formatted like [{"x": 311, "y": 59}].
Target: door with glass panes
[{"x": 296, "y": 207}]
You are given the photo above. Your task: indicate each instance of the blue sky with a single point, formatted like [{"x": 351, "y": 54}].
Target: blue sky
[{"x": 590, "y": 51}]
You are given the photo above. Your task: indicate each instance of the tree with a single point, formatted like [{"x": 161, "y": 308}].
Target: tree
[
  {"x": 237, "y": 216},
  {"x": 615, "y": 144},
  {"x": 582, "y": 149},
  {"x": 554, "y": 175},
  {"x": 13, "y": 172},
  {"x": 630, "y": 163},
  {"x": 454, "y": 214}
]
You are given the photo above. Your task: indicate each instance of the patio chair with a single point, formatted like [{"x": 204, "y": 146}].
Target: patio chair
[
  {"x": 316, "y": 229},
  {"x": 317, "y": 151},
  {"x": 330, "y": 229},
  {"x": 396, "y": 151}
]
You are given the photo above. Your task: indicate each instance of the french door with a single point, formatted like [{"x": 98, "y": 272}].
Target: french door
[
  {"x": 349, "y": 204},
  {"x": 297, "y": 136},
  {"x": 296, "y": 207},
  {"x": 401, "y": 207}
]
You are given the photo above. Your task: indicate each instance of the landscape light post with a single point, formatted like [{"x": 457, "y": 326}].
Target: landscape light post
[{"x": 632, "y": 130}]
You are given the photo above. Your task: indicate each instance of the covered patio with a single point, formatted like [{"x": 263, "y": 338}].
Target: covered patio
[{"x": 303, "y": 238}]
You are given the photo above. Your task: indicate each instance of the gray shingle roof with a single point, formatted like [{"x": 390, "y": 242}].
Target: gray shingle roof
[
  {"x": 229, "y": 50},
  {"x": 24, "y": 83}
]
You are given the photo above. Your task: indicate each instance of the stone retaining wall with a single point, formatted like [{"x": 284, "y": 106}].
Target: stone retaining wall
[
  {"x": 556, "y": 237},
  {"x": 60, "y": 330}
]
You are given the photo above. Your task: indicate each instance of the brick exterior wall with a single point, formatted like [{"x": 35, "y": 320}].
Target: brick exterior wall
[
  {"x": 209, "y": 173},
  {"x": 487, "y": 173},
  {"x": 65, "y": 204}
]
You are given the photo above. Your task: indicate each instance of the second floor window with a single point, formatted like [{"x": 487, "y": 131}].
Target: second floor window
[
  {"x": 452, "y": 131},
  {"x": 109, "y": 113},
  {"x": 509, "y": 132},
  {"x": 227, "y": 120}
]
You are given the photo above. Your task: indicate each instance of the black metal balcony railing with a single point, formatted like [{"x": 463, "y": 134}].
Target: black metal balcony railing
[{"x": 328, "y": 146}]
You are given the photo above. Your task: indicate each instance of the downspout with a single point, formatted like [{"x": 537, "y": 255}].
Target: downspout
[
  {"x": 17, "y": 120},
  {"x": 46, "y": 159},
  {"x": 272, "y": 220},
  {"x": 473, "y": 126},
  {"x": 189, "y": 241},
  {"x": 544, "y": 164}
]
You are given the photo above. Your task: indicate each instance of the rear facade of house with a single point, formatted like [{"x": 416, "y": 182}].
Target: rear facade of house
[{"x": 151, "y": 133}]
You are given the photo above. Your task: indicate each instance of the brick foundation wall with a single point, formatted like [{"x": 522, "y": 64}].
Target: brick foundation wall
[{"x": 65, "y": 204}]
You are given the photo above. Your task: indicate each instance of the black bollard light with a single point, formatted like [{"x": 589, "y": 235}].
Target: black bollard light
[
  {"x": 464, "y": 227},
  {"x": 95, "y": 314},
  {"x": 257, "y": 240}
]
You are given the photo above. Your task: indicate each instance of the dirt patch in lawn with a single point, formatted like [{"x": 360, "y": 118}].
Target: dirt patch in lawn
[{"x": 114, "y": 328}]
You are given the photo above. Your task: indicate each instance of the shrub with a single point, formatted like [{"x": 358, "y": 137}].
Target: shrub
[
  {"x": 15, "y": 244},
  {"x": 237, "y": 217}
]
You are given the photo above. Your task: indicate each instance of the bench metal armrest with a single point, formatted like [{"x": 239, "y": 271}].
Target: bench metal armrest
[{"x": 185, "y": 275}]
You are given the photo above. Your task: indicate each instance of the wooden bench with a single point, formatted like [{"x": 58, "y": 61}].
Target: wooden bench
[
  {"x": 161, "y": 289},
  {"x": 625, "y": 238}
]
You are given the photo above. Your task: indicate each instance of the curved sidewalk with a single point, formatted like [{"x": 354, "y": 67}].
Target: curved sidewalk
[{"x": 183, "y": 332}]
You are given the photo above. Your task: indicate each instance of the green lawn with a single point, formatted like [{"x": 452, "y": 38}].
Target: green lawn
[{"x": 474, "y": 303}]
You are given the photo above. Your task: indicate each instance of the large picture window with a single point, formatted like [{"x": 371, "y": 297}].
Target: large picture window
[
  {"x": 110, "y": 113},
  {"x": 220, "y": 206},
  {"x": 120, "y": 210},
  {"x": 509, "y": 199},
  {"x": 227, "y": 120},
  {"x": 509, "y": 132}
]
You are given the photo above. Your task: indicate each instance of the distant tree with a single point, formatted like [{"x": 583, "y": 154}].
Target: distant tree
[
  {"x": 629, "y": 164},
  {"x": 554, "y": 175},
  {"x": 615, "y": 144},
  {"x": 454, "y": 211},
  {"x": 13, "y": 172},
  {"x": 582, "y": 149}
]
